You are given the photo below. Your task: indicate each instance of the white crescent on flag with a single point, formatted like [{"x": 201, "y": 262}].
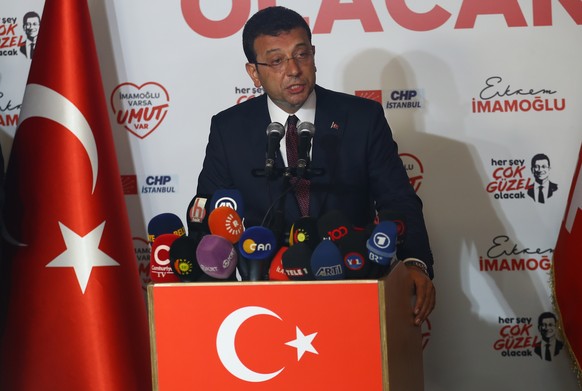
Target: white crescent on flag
[
  {"x": 226, "y": 349},
  {"x": 225, "y": 344},
  {"x": 41, "y": 101}
]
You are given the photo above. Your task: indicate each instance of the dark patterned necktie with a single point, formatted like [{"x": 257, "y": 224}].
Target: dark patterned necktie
[
  {"x": 301, "y": 185},
  {"x": 548, "y": 354},
  {"x": 541, "y": 199}
]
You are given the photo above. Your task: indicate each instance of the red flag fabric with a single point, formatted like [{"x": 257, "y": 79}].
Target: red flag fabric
[
  {"x": 567, "y": 269},
  {"x": 75, "y": 316}
]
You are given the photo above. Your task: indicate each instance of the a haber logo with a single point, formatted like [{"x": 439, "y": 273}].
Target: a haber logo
[
  {"x": 140, "y": 109},
  {"x": 414, "y": 169}
]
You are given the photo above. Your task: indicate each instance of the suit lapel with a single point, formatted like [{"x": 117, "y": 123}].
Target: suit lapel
[{"x": 330, "y": 123}]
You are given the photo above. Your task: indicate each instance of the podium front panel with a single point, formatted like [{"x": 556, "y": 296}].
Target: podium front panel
[{"x": 331, "y": 335}]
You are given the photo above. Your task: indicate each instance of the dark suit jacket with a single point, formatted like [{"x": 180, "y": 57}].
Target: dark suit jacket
[
  {"x": 352, "y": 143},
  {"x": 552, "y": 188},
  {"x": 538, "y": 348}
]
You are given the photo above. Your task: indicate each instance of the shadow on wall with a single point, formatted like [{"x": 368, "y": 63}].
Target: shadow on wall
[{"x": 461, "y": 217}]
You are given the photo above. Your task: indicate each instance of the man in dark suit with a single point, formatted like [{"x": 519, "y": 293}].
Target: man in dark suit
[
  {"x": 550, "y": 345},
  {"x": 543, "y": 188},
  {"x": 31, "y": 25},
  {"x": 361, "y": 171}
]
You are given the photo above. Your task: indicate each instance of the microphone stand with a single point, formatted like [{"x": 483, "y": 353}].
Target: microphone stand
[{"x": 278, "y": 222}]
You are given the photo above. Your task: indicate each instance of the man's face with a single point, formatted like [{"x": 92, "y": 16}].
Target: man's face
[
  {"x": 290, "y": 86},
  {"x": 548, "y": 328},
  {"x": 31, "y": 28},
  {"x": 541, "y": 170}
]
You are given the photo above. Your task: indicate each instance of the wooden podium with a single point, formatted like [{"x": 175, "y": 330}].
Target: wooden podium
[{"x": 332, "y": 335}]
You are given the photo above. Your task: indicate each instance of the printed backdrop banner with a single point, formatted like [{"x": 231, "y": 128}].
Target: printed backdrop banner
[{"x": 483, "y": 98}]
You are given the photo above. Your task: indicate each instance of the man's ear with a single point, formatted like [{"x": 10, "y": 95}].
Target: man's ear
[{"x": 253, "y": 73}]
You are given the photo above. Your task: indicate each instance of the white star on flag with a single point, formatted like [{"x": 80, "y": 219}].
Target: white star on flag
[
  {"x": 82, "y": 253},
  {"x": 303, "y": 343}
]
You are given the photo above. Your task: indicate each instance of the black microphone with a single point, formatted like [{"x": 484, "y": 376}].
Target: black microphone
[
  {"x": 305, "y": 132},
  {"x": 275, "y": 132}
]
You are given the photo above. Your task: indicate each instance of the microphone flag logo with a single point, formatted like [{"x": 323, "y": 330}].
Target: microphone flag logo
[{"x": 71, "y": 256}]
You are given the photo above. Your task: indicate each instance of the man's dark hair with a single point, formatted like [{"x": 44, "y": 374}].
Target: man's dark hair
[
  {"x": 270, "y": 21},
  {"x": 539, "y": 156},
  {"x": 29, "y": 15},
  {"x": 546, "y": 315}
]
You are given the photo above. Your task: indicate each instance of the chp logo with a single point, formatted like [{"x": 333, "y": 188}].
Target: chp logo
[
  {"x": 405, "y": 99},
  {"x": 159, "y": 184},
  {"x": 140, "y": 109},
  {"x": 499, "y": 96},
  {"x": 375, "y": 95},
  {"x": 414, "y": 169}
]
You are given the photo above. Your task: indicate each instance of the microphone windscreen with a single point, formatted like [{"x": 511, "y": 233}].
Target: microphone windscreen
[
  {"x": 165, "y": 223},
  {"x": 306, "y": 127},
  {"x": 334, "y": 225},
  {"x": 216, "y": 256},
  {"x": 354, "y": 255},
  {"x": 382, "y": 243},
  {"x": 276, "y": 271},
  {"x": 197, "y": 215},
  {"x": 297, "y": 262},
  {"x": 304, "y": 230},
  {"x": 225, "y": 221},
  {"x": 396, "y": 217},
  {"x": 257, "y": 243},
  {"x": 160, "y": 268},
  {"x": 228, "y": 197},
  {"x": 183, "y": 258},
  {"x": 327, "y": 262}
]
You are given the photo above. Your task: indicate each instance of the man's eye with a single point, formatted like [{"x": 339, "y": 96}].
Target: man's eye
[{"x": 276, "y": 61}]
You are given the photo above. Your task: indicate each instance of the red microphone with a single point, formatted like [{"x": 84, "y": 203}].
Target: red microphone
[
  {"x": 160, "y": 263},
  {"x": 276, "y": 270},
  {"x": 226, "y": 222}
]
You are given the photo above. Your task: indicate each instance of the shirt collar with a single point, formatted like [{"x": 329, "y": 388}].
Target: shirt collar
[{"x": 305, "y": 112}]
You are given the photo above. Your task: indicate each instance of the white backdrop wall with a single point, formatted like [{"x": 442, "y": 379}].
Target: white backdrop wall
[{"x": 473, "y": 89}]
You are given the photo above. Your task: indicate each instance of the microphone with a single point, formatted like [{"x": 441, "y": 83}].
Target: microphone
[
  {"x": 160, "y": 269},
  {"x": 355, "y": 254},
  {"x": 228, "y": 197},
  {"x": 400, "y": 221},
  {"x": 275, "y": 132},
  {"x": 197, "y": 215},
  {"x": 304, "y": 230},
  {"x": 382, "y": 243},
  {"x": 225, "y": 221},
  {"x": 296, "y": 262},
  {"x": 276, "y": 270},
  {"x": 216, "y": 256},
  {"x": 257, "y": 244},
  {"x": 334, "y": 226},
  {"x": 183, "y": 258},
  {"x": 327, "y": 262},
  {"x": 305, "y": 132},
  {"x": 164, "y": 223}
]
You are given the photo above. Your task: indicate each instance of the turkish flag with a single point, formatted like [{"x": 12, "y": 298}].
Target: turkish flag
[
  {"x": 267, "y": 336},
  {"x": 74, "y": 316},
  {"x": 567, "y": 268}
]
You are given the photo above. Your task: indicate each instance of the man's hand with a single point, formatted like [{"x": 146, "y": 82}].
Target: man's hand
[{"x": 425, "y": 294}]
